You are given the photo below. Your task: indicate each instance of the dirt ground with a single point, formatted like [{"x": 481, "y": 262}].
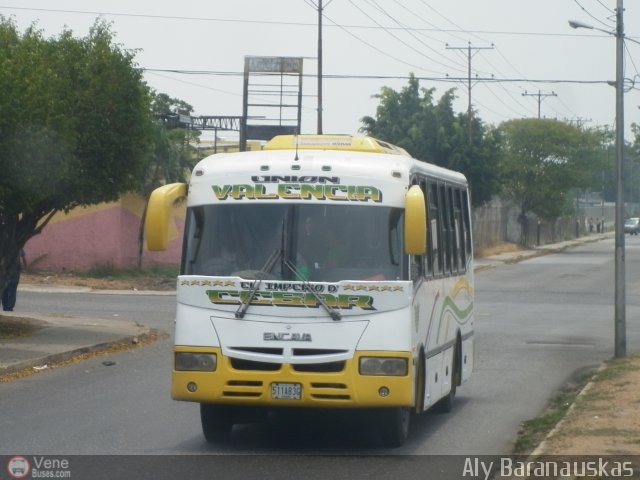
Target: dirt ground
[
  {"x": 605, "y": 417},
  {"x": 71, "y": 279},
  {"x": 497, "y": 249}
]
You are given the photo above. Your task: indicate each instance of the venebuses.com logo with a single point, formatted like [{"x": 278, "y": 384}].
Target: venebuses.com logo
[{"x": 18, "y": 467}]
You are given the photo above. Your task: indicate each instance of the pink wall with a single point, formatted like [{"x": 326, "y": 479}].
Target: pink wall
[{"x": 105, "y": 234}]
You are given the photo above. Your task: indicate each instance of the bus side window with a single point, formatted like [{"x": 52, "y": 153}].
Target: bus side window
[
  {"x": 446, "y": 228},
  {"x": 454, "y": 229},
  {"x": 459, "y": 230},
  {"x": 435, "y": 233},
  {"x": 468, "y": 241},
  {"x": 428, "y": 257}
]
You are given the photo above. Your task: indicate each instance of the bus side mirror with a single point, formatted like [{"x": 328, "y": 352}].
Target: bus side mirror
[
  {"x": 415, "y": 222},
  {"x": 156, "y": 225}
]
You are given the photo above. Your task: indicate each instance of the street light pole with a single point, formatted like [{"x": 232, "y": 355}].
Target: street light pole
[
  {"x": 620, "y": 300},
  {"x": 620, "y": 322},
  {"x": 319, "y": 127}
]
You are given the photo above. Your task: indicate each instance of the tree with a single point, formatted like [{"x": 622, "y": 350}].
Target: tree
[
  {"x": 173, "y": 155},
  {"x": 433, "y": 132},
  {"x": 74, "y": 128},
  {"x": 542, "y": 160}
]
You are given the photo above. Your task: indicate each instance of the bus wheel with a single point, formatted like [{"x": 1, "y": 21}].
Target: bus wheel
[
  {"x": 217, "y": 421},
  {"x": 394, "y": 425}
]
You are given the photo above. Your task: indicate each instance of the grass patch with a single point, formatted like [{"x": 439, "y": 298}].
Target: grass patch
[
  {"x": 615, "y": 368},
  {"x": 535, "y": 430},
  {"x": 604, "y": 432}
]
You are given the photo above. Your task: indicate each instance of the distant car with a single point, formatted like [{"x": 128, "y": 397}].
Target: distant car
[{"x": 632, "y": 225}]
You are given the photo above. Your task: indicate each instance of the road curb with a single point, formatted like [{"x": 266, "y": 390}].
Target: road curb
[
  {"x": 539, "y": 450},
  {"x": 36, "y": 288},
  {"x": 45, "y": 360}
]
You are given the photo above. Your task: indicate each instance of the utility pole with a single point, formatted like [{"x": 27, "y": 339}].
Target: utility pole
[
  {"x": 620, "y": 328},
  {"x": 541, "y": 96},
  {"x": 319, "y": 67},
  {"x": 620, "y": 315},
  {"x": 470, "y": 54}
]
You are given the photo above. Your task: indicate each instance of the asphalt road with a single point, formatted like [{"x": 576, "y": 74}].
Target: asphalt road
[{"x": 538, "y": 323}]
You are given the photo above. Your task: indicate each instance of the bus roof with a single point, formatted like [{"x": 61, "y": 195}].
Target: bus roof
[{"x": 333, "y": 142}]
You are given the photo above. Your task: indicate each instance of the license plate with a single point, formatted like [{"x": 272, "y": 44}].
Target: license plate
[{"x": 286, "y": 391}]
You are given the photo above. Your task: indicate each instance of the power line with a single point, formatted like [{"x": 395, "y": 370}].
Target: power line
[
  {"x": 458, "y": 66},
  {"x": 501, "y": 100},
  {"x": 448, "y": 20},
  {"x": 606, "y": 7},
  {"x": 514, "y": 97},
  {"x": 346, "y": 30},
  {"x": 567, "y": 108},
  {"x": 434, "y": 27},
  {"x": 296, "y": 24},
  {"x": 398, "y": 38},
  {"x": 592, "y": 16},
  {"x": 447, "y": 79}
]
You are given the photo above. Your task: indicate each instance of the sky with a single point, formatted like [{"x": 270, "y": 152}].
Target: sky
[{"x": 521, "y": 52}]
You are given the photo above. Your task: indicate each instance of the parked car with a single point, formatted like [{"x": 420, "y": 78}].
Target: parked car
[{"x": 632, "y": 226}]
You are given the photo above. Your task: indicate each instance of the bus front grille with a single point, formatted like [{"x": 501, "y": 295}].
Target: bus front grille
[
  {"x": 241, "y": 364},
  {"x": 330, "y": 391},
  {"x": 244, "y": 383},
  {"x": 243, "y": 389},
  {"x": 328, "y": 367},
  {"x": 310, "y": 352},
  {"x": 241, "y": 394}
]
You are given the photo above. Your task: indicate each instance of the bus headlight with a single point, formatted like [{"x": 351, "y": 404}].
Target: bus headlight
[
  {"x": 198, "y": 362},
  {"x": 383, "y": 366}
]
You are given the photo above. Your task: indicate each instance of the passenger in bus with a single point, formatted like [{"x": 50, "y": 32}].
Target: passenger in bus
[{"x": 319, "y": 245}]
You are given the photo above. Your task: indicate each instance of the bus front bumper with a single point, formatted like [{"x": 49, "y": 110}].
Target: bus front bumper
[{"x": 285, "y": 385}]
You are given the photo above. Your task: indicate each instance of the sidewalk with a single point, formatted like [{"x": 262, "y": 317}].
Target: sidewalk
[
  {"x": 61, "y": 338},
  {"x": 515, "y": 257}
]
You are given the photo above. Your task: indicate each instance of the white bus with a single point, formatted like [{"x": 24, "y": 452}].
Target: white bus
[{"x": 324, "y": 271}]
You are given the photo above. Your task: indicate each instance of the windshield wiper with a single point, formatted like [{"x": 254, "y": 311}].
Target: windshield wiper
[
  {"x": 335, "y": 315},
  {"x": 265, "y": 270}
]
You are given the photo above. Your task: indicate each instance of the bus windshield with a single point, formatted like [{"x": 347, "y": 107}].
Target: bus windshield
[{"x": 325, "y": 243}]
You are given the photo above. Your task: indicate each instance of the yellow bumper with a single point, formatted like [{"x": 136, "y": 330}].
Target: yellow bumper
[{"x": 346, "y": 388}]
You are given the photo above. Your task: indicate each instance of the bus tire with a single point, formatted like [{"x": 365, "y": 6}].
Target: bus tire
[
  {"x": 394, "y": 426},
  {"x": 217, "y": 421}
]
